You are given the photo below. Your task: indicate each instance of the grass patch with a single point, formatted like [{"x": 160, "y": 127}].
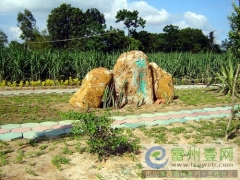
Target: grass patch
[
  {"x": 30, "y": 171},
  {"x": 39, "y": 108},
  {"x": 19, "y": 157},
  {"x": 59, "y": 160},
  {"x": 34, "y": 154},
  {"x": 197, "y": 97},
  {"x": 25, "y": 108},
  {"x": 42, "y": 147}
]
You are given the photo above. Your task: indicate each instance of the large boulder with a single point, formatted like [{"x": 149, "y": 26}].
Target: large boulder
[
  {"x": 163, "y": 83},
  {"x": 92, "y": 89},
  {"x": 132, "y": 78}
]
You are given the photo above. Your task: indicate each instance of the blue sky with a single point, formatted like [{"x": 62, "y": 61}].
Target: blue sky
[{"x": 207, "y": 15}]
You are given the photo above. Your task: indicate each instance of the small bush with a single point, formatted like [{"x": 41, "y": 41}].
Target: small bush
[{"x": 102, "y": 139}]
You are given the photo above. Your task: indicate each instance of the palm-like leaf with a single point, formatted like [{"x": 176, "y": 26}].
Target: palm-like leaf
[{"x": 226, "y": 79}]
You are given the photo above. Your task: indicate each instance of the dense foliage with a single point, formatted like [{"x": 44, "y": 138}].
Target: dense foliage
[
  {"x": 17, "y": 63},
  {"x": 75, "y": 42},
  {"x": 71, "y": 28},
  {"x": 234, "y": 33}
]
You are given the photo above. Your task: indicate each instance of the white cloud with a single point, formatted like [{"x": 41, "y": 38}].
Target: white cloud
[
  {"x": 15, "y": 33},
  {"x": 196, "y": 21},
  {"x": 193, "y": 20},
  {"x": 152, "y": 15}
]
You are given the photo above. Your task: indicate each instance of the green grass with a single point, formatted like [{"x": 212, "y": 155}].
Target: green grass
[
  {"x": 31, "y": 172},
  {"x": 19, "y": 157},
  {"x": 198, "y": 97},
  {"x": 31, "y": 108},
  {"x": 52, "y": 107},
  {"x": 34, "y": 154},
  {"x": 48, "y": 64},
  {"x": 59, "y": 160},
  {"x": 202, "y": 131}
]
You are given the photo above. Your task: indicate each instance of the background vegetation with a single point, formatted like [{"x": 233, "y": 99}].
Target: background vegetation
[{"x": 75, "y": 42}]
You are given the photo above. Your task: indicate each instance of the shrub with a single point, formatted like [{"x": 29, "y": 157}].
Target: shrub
[{"x": 102, "y": 139}]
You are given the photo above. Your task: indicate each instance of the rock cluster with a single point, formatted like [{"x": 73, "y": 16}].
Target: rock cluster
[{"x": 135, "y": 80}]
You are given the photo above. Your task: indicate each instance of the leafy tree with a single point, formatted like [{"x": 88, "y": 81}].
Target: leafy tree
[
  {"x": 171, "y": 36},
  {"x": 225, "y": 45},
  {"x": 64, "y": 23},
  {"x": 27, "y": 24},
  {"x": 42, "y": 41},
  {"x": 234, "y": 33},
  {"x": 95, "y": 24},
  {"x": 193, "y": 40},
  {"x": 130, "y": 20},
  {"x": 3, "y": 39},
  {"x": 114, "y": 40},
  {"x": 211, "y": 39}
]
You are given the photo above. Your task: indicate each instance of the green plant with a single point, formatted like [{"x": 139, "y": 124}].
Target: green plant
[
  {"x": 4, "y": 143},
  {"x": 30, "y": 171},
  {"x": 30, "y": 163},
  {"x": 177, "y": 130},
  {"x": 19, "y": 158},
  {"x": 186, "y": 136},
  {"x": 1, "y": 174},
  {"x": 226, "y": 79},
  {"x": 104, "y": 140},
  {"x": 3, "y": 157},
  {"x": 80, "y": 148},
  {"x": 34, "y": 154},
  {"x": 100, "y": 177},
  {"x": 66, "y": 150},
  {"x": 52, "y": 148},
  {"x": 139, "y": 166},
  {"x": 110, "y": 98},
  {"x": 58, "y": 160},
  {"x": 42, "y": 147}
]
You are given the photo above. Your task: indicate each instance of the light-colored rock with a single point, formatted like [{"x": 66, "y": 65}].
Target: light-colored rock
[
  {"x": 133, "y": 68},
  {"x": 163, "y": 83},
  {"x": 92, "y": 89}
]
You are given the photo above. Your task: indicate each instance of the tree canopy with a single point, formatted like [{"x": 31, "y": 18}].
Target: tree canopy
[
  {"x": 71, "y": 28},
  {"x": 130, "y": 20},
  {"x": 3, "y": 39},
  {"x": 234, "y": 33},
  {"x": 27, "y": 24},
  {"x": 65, "y": 22}
]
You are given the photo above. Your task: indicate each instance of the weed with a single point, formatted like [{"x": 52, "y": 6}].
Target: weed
[
  {"x": 161, "y": 138},
  {"x": 3, "y": 158},
  {"x": 66, "y": 150},
  {"x": 102, "y": 139},
  {"x": 30, "y": 163},
  {"x": 52, "y": 148},
  {"x": 186, "y": 136},
  {"x": 177, "y": 130},
  {"x": 100, "y": 177},
  {"x": 79, "y": 148},
  {"x": 139, "y": 166},
  {"x": 132, "y": 156},
  {"x": 33, "y": 142},
  {"x": 42, "y": 147},
  {"x": 237, "y": 141},
  {"x": 198, "y": 139},
  {"x": 1, "y": 174},
  {"x": 4, "y": 143},
  {"x": 30, "y": 171},
  {"x": 19, "y": 158},
  {"x": 34, "y": 154},
  {"x": 58, "y": 160}
]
